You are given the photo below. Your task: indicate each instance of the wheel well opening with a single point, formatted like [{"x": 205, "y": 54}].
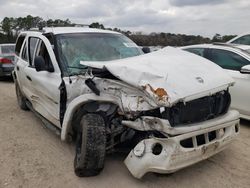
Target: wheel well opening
[{"x": 106, "y": 109}]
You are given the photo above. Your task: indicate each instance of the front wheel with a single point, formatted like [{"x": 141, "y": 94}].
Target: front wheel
[{"x": 90, "y": 146}]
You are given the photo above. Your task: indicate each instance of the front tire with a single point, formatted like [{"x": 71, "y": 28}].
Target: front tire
[{"x": 90, "y": 146}]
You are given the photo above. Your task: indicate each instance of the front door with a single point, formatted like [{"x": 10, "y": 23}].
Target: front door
[{"x": 42, "y": 88}]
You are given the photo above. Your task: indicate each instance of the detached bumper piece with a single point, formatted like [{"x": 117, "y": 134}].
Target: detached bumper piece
[{"x": 167, "y": 155}]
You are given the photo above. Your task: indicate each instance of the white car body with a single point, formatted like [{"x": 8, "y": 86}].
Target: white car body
[
  {"x": 240, "y": 92},
  {"x": 159, "y": 81}
]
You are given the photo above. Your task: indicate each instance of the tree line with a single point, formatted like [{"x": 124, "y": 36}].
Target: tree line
[{"x": 12, "y": 26}]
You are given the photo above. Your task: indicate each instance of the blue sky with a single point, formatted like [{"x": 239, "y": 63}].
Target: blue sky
[{"x": 204, "y": 17}]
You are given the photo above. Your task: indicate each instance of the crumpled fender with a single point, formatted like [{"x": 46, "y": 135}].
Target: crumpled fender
[{"x": 77, "y": 103}]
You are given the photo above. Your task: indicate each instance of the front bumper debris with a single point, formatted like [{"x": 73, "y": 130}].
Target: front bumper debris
[{"x": 167, "y": 155}]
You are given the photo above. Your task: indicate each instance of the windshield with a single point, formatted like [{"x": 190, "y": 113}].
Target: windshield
[{"x": 74, "y": 48}]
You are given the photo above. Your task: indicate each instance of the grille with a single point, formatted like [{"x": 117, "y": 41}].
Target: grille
[
  {"x": 195, "y": 111},
  {"x": 198, "y": 110}
]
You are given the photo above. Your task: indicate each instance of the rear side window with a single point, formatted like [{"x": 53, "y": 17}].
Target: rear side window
[
  {"x": 33, "y": 41},
  {"x": 243, "y": 40},
  {"x": 227, "y": 59},
  {"x": 197, "y": 51},
  {"x": 19, "y": 44},
  {"x": 24, "y": 55},
  {"x": 8, "y": 49}
]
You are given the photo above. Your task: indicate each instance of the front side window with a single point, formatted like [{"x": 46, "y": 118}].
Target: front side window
[
  {"x": 197, "y": 51},
  {"x": 43, "y": 52},
  {"x": 227, "y": 59},
  {"x": 243, "y": 40},
  {"x": 73, "y": 48}
]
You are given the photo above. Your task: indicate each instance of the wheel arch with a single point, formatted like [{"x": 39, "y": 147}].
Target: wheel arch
[{"x": 78, "y": 103}]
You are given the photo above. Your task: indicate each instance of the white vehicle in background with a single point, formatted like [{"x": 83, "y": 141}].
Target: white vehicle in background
[
  {"x": 241, "y": 39},
  {"x": 169, "y": 107},
  {"x": 235, "y": 59}
]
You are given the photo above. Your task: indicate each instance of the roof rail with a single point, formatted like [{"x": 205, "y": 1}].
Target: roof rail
[
  {"x": 41, "y": 29},
  {"x": 224, "y": 44},
  {"x": 232, "y": 45},
  {"x": 81, "y": 25},
  {"x": 35, "y": 29}
]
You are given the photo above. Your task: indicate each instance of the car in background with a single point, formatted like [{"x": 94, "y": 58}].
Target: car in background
[
  {"x": 241, "y": 39},
  {"x": 6, "y": 59},
  {"x": 235, "y": 59}
]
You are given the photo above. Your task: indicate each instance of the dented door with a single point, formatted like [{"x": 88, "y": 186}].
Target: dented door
[{"x": 43, "y": 87}]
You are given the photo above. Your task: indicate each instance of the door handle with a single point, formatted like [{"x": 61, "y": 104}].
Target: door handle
[{"x": 29, "y": 78}]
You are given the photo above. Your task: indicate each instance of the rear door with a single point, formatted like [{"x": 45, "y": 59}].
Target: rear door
[
  {"x": 232, "y": 63},
  {"x": 42, "y": 88},
  {"x": 21, "y": 59}
]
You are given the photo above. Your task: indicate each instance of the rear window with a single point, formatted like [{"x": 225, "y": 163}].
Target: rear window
[{"x": 8, "y": 49}]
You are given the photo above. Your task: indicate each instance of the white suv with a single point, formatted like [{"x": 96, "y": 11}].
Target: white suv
[{"x": 170, "y": 107}]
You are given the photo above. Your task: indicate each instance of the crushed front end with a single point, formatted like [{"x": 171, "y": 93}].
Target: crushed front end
[
  {"x": 170, "y": 106},
  {"x": 182, "y": 135}
]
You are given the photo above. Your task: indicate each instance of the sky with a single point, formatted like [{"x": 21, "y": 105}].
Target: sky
[{"x": 196, "y": 17}]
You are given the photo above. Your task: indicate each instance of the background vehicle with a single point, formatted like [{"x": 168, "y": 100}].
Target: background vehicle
[
  {"x": 6, "y": 59},
  {"x": 235, "y": 59},
  {"x": 241, "y": 39},
  {"x": 98, "y": 87}
]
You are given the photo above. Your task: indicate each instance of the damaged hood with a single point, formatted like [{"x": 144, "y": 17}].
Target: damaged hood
[{"x": 168, "y": 75}]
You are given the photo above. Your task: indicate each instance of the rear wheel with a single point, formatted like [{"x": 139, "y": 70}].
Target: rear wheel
[
  {"x": 21, "y": 100},
  {"x": 90, "y": 146}
]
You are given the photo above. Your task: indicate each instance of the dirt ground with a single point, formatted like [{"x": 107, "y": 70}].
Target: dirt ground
[{"x": 33, "y": 156}]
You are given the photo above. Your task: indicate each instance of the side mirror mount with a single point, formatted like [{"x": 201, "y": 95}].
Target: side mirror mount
[
  {"x": 39, "y": 63},
  {"x": 245, "y": 69},
  {"x": 146, "y": 50}
]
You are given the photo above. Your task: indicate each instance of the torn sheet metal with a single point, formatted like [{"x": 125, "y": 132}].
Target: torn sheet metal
[
  {"x": 172, "y": 155},
  {"x": 168, "y": 75},
  {"x": 149, "y": 123}
]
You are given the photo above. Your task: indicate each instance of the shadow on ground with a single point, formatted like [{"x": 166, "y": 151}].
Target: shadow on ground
[
  {"x": 245, "y": 122},
  {"x": 7, "y": 79}
]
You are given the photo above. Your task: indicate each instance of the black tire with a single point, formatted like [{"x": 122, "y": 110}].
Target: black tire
[
  {"x": 90, "y": 146},
  {"x": 21, "y": 100}
]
